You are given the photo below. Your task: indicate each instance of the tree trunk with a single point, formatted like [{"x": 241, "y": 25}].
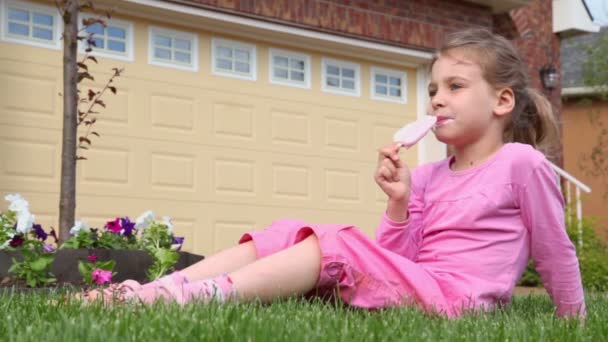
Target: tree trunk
[{"x": 67, "y": 201}]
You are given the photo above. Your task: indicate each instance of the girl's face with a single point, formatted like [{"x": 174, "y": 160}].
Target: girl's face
[{"x": 461, "y": 99}]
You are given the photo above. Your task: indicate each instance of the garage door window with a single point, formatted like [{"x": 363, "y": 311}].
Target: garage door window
[
  {"x": 388, "y": 85},
  {"x": 174, "y": 49},
  {"x": 30, "y": 24},
  {"x": 341, "y": 77},
  {"x": 113, "y": 41},
  {"x": 233, "y": 59},
  {"x": 289, "y": 68}
]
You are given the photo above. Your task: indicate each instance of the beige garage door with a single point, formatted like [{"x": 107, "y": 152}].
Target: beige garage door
[{"x": 220, "y": 155}]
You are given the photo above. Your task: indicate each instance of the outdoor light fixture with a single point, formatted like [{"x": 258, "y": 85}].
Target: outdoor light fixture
[{"x": 549, "y": 77}]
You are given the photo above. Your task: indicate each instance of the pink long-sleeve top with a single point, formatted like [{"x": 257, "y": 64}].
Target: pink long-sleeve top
[{"x": 474, "y": 231}]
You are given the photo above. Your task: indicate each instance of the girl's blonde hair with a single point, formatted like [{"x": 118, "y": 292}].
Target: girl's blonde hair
[{"x": 531, "y": 121}]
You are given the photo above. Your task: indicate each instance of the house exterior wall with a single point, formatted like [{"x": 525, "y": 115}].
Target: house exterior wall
[{"x": 581, "y": 135}]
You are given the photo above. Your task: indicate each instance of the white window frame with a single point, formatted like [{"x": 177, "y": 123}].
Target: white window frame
[
  {"x": 153, "y": 30},
  {"x": 252, "y": 76},
  {"x": 341, "y": 64},
  {"x": 126, "y": 25},
  {"x": 54, "y": 44},
  {"x": 402, "y": 75},
  {"x": 289, "y": 55}
]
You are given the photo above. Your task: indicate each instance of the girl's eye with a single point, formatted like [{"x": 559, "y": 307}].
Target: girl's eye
[
  {"x": 432, "y": 93},
  {"x": 455, "y": 86}
]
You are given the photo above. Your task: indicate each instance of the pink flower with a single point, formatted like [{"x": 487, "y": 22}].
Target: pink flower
[
  {"x": 92, "y": 258},
  {"x": 101, "y": 277},
  {"x": 114, "y": 226}
]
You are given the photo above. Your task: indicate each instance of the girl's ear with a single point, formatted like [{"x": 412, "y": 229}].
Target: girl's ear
[{"x": 505, "y": 101}]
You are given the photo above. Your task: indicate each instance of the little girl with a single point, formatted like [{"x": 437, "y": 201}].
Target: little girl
[{"x": 456, "y": 234}]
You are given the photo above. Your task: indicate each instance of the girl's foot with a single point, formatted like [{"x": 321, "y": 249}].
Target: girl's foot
[
  {"x": 114, "y": 293},
  {"x": 219, "y": 288}
]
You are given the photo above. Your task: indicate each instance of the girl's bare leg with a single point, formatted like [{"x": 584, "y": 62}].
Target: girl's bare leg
[
  {"x": 225, "y": 261},
  {"x": 292, "y": 271}
]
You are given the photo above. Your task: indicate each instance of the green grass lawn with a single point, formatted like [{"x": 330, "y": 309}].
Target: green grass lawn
[{"x": 34, "y": 317}]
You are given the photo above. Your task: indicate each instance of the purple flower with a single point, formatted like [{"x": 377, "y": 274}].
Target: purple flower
[
  {"x": 127, "y": 226},
  {"x": 46, "y": 248},
  {"x": 101, "y": 277},
  {"x": 178, "y": 240},
  {"x": 92, "y": 258},
  {"x": 17, "y": 241},
  {"x": 40, "y": 233},
  {"x": 114, "y": 226}
]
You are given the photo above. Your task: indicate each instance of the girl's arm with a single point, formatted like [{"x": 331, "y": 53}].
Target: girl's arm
[
  {"x": 554, "y": 256},
  {"x": 402, "y": 237}
]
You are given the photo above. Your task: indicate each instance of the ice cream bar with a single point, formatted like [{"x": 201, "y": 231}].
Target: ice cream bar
[{"x": 411, "y": 133}]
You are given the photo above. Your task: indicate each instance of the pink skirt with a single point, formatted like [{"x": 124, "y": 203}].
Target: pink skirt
[{"x": 357, "y": 269}]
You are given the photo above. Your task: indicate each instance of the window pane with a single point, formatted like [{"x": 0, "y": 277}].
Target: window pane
[
  {"x": 162, "y": 41},
  {"x": 115, "y": 45},
  {"x": 98, "y": 43},
  {"x": 43, "y": 19},
  {"x": 117, "y": 32},
  {"x": 17, "y": 14},
  {"x": 395, "y": 81},
  {"x": 183, "y": 57},
  {"x": 280, "y": 61},
  {"x": 347, "y": 84},
  {"x": 182, "y": 44},
  {"x": 22, "y": 30},
  {"x": 241, "y": 55},
  {"x": 280, "y": 73},
  {"x": 380, "y": 90},
  {"x": 41, "y": 33},
  {"x": 297, "y": 64},
  {"x": 162, "y": 53},
  {"x": 95, "y": 29},
  {"x": 333, "y": 70},
  {"x": 224, "y": 52},
  {"x": 333, "y": 82},
  {"x": 297, "y": 76},
  {"x": 381, "y": 78},
  {"x": 241, "y": 67},
  {"x": 396, "y": 92},
  {"x": 350, "y": 73},
  {"x": 224, "y": 64}
]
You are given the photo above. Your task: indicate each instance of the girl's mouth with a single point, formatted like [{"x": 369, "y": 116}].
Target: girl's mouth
[{"x": 442, "y": 120}]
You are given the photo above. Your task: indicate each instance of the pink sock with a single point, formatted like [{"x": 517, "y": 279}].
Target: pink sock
[
  {"x": 176, "y": 278},
  {"x": 219, "y": 288}
]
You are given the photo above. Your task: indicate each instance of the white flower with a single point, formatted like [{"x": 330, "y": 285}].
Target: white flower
[
  {"x": 25, "y": 221},
  {"x": 18, "y": 203},
  {"x": 144, "y": 220},
  {"x": 167, "y": 221},
  {"x": 78, "y": 226}
]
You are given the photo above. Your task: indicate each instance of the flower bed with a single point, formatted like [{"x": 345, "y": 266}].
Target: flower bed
[{"x": 142, "y": 250}]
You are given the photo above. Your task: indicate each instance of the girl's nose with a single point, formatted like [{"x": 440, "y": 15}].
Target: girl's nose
[{"x": 437, "y": 101}]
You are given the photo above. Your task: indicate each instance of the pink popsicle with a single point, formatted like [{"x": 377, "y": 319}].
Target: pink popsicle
[{"x": 411, "y": 133}]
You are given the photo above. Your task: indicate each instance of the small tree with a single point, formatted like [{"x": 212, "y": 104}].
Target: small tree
[
  {"x": 595, "y": 73},
  {"x": 74, "y": 72}
]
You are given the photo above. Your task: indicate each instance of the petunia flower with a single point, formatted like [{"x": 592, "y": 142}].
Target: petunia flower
[
  {"x": 40, "y": 233},
  {"x": 18, "y": 203},
  {"x": 101, "y": 277},
  {"x": 25, "y": 221},
  {"x": 178, "y": 241},
  {"x": 127, "y": 226},
  {"x": 46, "y": 248},
  {"x": 168, "y": 223},
  {"x": 78, "y": 226},
  {"x": 114, "y": 226},
  {"x": 17, "y": 241},
  {"x": 92, "y": 258},
  {"x": 144, "y": 220}
]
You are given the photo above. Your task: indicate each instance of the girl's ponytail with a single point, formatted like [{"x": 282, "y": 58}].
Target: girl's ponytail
[{"x": 532, "y": 122}]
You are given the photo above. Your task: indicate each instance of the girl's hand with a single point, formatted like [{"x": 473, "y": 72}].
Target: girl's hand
[{"x": 392, "y": 175}]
